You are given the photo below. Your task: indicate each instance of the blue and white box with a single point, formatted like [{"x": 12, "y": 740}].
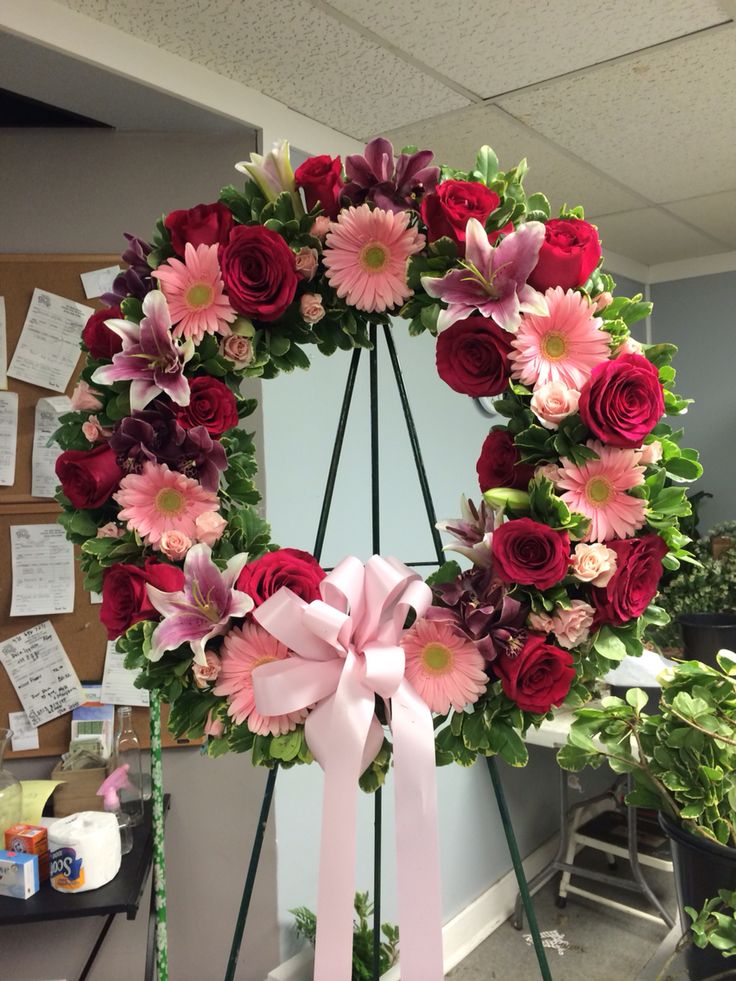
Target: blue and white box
[{"x": 18, "y": 874}]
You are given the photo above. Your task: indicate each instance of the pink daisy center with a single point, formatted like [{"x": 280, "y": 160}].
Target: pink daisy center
[
  {"x": 599, "y": 491},
  {"x": 169, "y": 502},
  {"x": 553, "y": 346},
  {"x": 200, "y": 295},
  {"x": 374, "y": 256},
  {"x": 437, "y": 659}
]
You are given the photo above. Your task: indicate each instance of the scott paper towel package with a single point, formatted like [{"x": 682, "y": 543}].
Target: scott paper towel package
[{"x": 84, "y": 850}]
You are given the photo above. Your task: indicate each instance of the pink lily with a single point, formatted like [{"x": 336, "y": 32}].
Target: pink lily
[
  {"x": 492, "y": 279},
  {"x": 151, "y": 360},
  {"x": 203, "y": 608}
]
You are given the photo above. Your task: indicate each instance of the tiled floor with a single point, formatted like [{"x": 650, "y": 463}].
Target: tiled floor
[{"x": 604, "y": 944}]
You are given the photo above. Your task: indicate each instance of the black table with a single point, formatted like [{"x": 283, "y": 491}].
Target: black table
[{"x": 121, "y": 895}]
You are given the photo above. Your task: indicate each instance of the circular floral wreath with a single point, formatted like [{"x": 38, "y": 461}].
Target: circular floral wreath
[{"x": 580, "y": 506}]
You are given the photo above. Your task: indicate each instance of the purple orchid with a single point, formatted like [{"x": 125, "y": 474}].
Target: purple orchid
[
  {"x": 372, "y": 176},
  {"x": 203, "y": 608},
  {"x": 136, "y": 280},
  {"x": 481, "y": 607},
  {"x": 151, "y": 360},
  {"x": 493, "y": 279},
  {"x": 200, "y": 456}
]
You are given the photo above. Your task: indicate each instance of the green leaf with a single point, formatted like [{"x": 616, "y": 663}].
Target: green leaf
[
  {"x": 447, "y": 572},
  {"x": 538, "y": 205},
  {"x": 486, "y": 164},
  {"x": 637, "y": 699},
  {"x": 609, "y": 644},
  {"x": 576, "y": 758}
]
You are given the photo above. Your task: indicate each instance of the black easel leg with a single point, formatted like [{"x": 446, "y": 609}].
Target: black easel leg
[
  {"x": 376, "y": 547},
  {"x": 250, "y": 878},
  {"x": 414, "y": 440}
]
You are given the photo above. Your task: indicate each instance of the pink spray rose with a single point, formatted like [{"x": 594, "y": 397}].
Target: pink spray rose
[
  {"x": 630, "y": 346},
  {"x": 237, "y": 349},
  {"x": 310, "y": 307},
  {"x": 320, "y": 227},
  {"x": 84, "y": 398},
  {"x": 651, "y": 453},
  {"x": 572, "y": 627},
  {"x": 602, "y": 301},
  {"x": 553, "y": 402},
  {"x": 594, "y": 563},
  {"x": 306, "y": 262},
  {"x": 549, "y": 470},
  {"x": 541, "y": 622},
  {"x": 206, "y": 674},
  {"x": 175, "y": 545},
  {"x": 110, "y": 530},
  {"x": 93, "y": 431},
  {"x": 210, "y": 526},
  {"x": 213, "y": 727}
]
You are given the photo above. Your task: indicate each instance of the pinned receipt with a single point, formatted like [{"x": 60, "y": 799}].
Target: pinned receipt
[
  {"x": 47, "y": 351},
  {"x": 43, "y": 570},
  {"x": 8, "y": 437},
  {"x": 43, "y": 474}
]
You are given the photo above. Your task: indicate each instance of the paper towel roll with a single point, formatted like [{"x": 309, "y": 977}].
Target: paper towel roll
[{"x": 84, "y": 850}]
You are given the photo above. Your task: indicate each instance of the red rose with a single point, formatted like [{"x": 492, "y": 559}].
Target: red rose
[
  {"x": 570, "y": 252},
  {"x": 100, "y": 341},
  {"x": 499, "y": 463},
  {"x": 634, "y": 584},
  {"x": 207, "y": 224},
  {"x": 321, "y": 180},
  {"x": 446, "y": 212},
  {"x": 259, "y": 272},
  {"x": 473, "y": 357},
  {"x": 538, "y": 677},
  {"x": 88, "y": 477},
  {"x": 125, "y": 598},
  {"x": 298, "y": 570},
  {"x": 211, "y": 404},
  {"x": 529, "y": 553},
  {"x": 622, "y": 400}
]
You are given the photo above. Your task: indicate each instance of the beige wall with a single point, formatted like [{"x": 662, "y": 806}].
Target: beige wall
[{"x": 78, "y": 191}]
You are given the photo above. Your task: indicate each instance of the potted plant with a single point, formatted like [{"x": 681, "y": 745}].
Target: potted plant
[
  {"x": 683, "y": 764},
  {"x": 701, "y": 599}
]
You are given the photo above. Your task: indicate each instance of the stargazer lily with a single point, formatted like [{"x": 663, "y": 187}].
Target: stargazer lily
[
  {"x": 273, "y": 174},
  {"x": 203, "y": 608},
  {"x": 150, "y": 359},
  {"x": 493, "y": 279}
]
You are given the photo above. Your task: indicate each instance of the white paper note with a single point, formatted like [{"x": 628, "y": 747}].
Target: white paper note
[
  {"x": 48, "y": 349},
  {"x": 8, "y": 437},
  {"x": 43, "y": 570},
  {"x": 117, "y": 681},
  {"x": 25, "y": 735},
  {"x": 99, "y": 281},
  {"x": 95, "y": 597},
  {"x": 3, "y": 346},
  {"x": 41, "y": 673},
  {"x": 43, "y": 475}
]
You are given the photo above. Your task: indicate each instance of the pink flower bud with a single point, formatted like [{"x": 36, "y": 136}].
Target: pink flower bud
[
  {"x": 602, "y": 301},
  {"x": 651, "y": 453},
  {"x": 213, "y": 727},
  {"x": 320, "y": 227},
  {"x": 206, "y": 674},
  {"x": 175, "y": 545},
  {"x": 210, "y": 526},
  {"x": 84, "y": 398},
  {"x": 553, "y": 402},
  {"x": 237, "y": 349},
  {"x": 310, "y": 307},
  {"x": 306, "y": 262},
  {"x": 110, "y": 530}
]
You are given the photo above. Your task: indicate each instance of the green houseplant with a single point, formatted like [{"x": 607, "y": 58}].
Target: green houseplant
[{"x": 683, "y": 764}]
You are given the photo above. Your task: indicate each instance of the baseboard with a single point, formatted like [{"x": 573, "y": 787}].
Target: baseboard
[{"x": 460, "y": 935}]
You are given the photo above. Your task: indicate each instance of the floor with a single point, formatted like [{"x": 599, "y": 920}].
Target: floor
[{"x": 599, "y": 944}]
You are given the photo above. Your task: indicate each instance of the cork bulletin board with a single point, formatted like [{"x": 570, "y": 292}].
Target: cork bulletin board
[{"x": 81, "y": 634}]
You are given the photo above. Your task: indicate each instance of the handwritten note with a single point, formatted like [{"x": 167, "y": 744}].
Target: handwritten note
[
  {"x": 117, "y": 681},
  {"x": 43, "y": 570},
  {"x": 41, "y": 673},
  {"x": 35, "y": 795},
  {"x": 48, "y": 349},
  {"x": 3, "y": 346},
  {"x": 99, "y": 281},
  {"x": 8, "y": 437},
  {"x": 43, "y": 475},
  {"x": 25, "y": 735}
]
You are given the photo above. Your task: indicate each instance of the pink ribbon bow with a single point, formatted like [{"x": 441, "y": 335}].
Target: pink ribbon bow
[{"x": 347, "y": 647}]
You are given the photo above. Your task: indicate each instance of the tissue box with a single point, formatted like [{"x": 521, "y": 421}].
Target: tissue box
[
  {"x": 18, "y": 874},
  {"x": 79, "y": 790},
  {"x": 30, "y": 839}
]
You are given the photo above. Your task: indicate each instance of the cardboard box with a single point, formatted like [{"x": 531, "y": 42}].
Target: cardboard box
[
  {"x": 79, "y": 790},
  {"x": 18, "y": 874}
]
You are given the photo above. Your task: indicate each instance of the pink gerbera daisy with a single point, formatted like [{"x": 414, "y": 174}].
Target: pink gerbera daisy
[
  {"x": 245, "y": 649},
  {"x": 159, "y": 500},
  {"x": 366, "y": 254},
  {"x": 195, "y": 292},
  {"x": 597, "y": 489},
  {"x": 445, "y": 667},
  {"x": 564, "y": 346}
]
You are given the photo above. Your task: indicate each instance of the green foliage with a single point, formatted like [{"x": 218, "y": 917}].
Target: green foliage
[
  {"x": 715, "y": 924},
  {"x": 306, "y": 926},
  {"x": 548, "y": 508},
  {"x": 683, "y": 760}
]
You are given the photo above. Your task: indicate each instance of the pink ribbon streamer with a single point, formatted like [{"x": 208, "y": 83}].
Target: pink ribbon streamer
[{"x": 347, "y": 647}]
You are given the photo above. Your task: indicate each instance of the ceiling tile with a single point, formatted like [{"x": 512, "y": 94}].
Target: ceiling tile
[
  {"x": 288, "y": 50},
  {"x": 455, "y": 138},
  {"x": 493, "y": 46},
  {"x": 715, "y": 213},
  {"x": 651, "y": 236},
  {"x": 661, "y": 122}
]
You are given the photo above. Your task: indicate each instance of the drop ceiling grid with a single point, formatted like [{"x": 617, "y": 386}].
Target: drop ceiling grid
[
  {"x": 658, "y": 149},
  {"x": 492, "y": 46},
  {"x": 652, "y": 235},
  {"x": 289, "y": 50}
]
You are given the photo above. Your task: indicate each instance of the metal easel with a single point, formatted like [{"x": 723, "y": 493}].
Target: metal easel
[{"x": 376, "y": 547}]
